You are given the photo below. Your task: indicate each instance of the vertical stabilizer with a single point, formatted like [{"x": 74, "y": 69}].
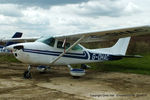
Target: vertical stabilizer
[
  {"x": 120, "y": 48},
  {"x": 16, "y": 35}
]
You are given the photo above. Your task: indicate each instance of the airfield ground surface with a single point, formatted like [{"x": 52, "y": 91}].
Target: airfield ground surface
[{"x": 59, "y": 85}]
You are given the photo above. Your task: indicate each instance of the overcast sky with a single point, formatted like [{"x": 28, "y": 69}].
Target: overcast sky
[{"x": 51, "y": 17}]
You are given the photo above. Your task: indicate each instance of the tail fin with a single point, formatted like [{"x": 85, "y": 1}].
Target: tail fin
[
  {"x": 16, "y": 35},
  {"x": 119, "y": 48}
]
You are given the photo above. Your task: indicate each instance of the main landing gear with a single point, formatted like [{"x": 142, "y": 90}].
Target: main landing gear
[
  {"x": 78, "y": 72},
  {"x": 27, "y": 73}
]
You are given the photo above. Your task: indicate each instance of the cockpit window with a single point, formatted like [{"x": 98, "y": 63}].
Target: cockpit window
[
  {"x": 77, "y": 47},
  {"x": 49, "y": 41},
  {"x": 60, "y": 45},
  {"x": 67, "y": 45}
]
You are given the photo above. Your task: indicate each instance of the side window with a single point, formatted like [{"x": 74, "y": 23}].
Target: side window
[
  {"x": 67, "y": 45},
  {"x": 77, "y": 47},
  {"x": 60, "y": 44}
]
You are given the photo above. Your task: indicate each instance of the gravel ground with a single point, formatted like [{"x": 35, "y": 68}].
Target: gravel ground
[{"x": 57, "y": 84}]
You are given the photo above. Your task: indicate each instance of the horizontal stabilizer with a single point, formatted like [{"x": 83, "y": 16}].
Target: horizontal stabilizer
[{"x": 129, "y": 56}]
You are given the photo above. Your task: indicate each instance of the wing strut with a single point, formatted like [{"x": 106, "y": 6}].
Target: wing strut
[{"x": 67, "y": 50}]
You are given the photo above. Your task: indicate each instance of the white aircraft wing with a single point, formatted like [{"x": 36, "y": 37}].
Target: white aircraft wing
[
  {"x": 25, "y": 39},
  {"x": 92, "y": 36},
  {"x": 101, "y": 36},
  {"x": 106, "y": 35}
]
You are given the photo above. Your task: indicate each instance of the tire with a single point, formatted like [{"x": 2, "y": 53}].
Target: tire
[
  {"x": 83, "y": 66},
  {"x": 27, "y": 75},
  {"x": 75, "y": 77}
]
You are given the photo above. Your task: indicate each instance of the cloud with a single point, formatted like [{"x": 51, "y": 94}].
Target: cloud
[
  {"x": 113, "y": 8},
  {"x": 41, "y": 3},
  {"x": 131, "y": 8},
  {"x": 68, "y": 18},
  {"x": 10, "y": 10}
]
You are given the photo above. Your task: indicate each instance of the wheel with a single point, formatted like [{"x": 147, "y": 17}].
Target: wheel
[
  {"x": 83, "y": 66},
  {"x": 76, "y": 77},
  {"x": 43, "y": 72},
  {"x": 27, "y": 75}
]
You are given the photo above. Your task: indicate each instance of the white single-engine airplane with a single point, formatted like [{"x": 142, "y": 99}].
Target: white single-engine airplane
[{"x": 66, "y": 50}]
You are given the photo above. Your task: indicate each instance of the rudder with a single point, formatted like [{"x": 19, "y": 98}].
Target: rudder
[{"x": 119, "y": 48}]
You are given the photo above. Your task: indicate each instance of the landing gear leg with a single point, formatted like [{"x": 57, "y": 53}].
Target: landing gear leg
[{"x": 27, "y": 73}]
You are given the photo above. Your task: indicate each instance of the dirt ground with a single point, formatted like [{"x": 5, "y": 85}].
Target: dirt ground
[{"x": 57, "y": 84}]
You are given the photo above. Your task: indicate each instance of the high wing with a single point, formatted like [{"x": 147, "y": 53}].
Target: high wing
[
  {"x": 106, "y": 35},
  {"x": 101, "y": 36},
  {"x": 92, "y": 36},
  {"x": 25, "y": 39}
]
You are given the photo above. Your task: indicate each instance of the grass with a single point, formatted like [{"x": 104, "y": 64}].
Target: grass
[
  {"x": 8, "y": 58},
  {"x": 126, "y": 65}
]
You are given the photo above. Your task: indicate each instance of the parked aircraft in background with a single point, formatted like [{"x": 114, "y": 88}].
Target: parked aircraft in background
[
  {"x": 2, "y": 47},
  {"x": 66, "y": 50}
]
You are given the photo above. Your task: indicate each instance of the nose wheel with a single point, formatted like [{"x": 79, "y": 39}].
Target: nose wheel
[{"x": 27, "y": 73}]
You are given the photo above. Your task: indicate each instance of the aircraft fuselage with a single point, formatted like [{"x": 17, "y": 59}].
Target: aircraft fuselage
[{"x": 39, "y": 53}]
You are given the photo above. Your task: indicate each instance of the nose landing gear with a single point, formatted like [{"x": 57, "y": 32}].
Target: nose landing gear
[{"x": 27, "y": 73}]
